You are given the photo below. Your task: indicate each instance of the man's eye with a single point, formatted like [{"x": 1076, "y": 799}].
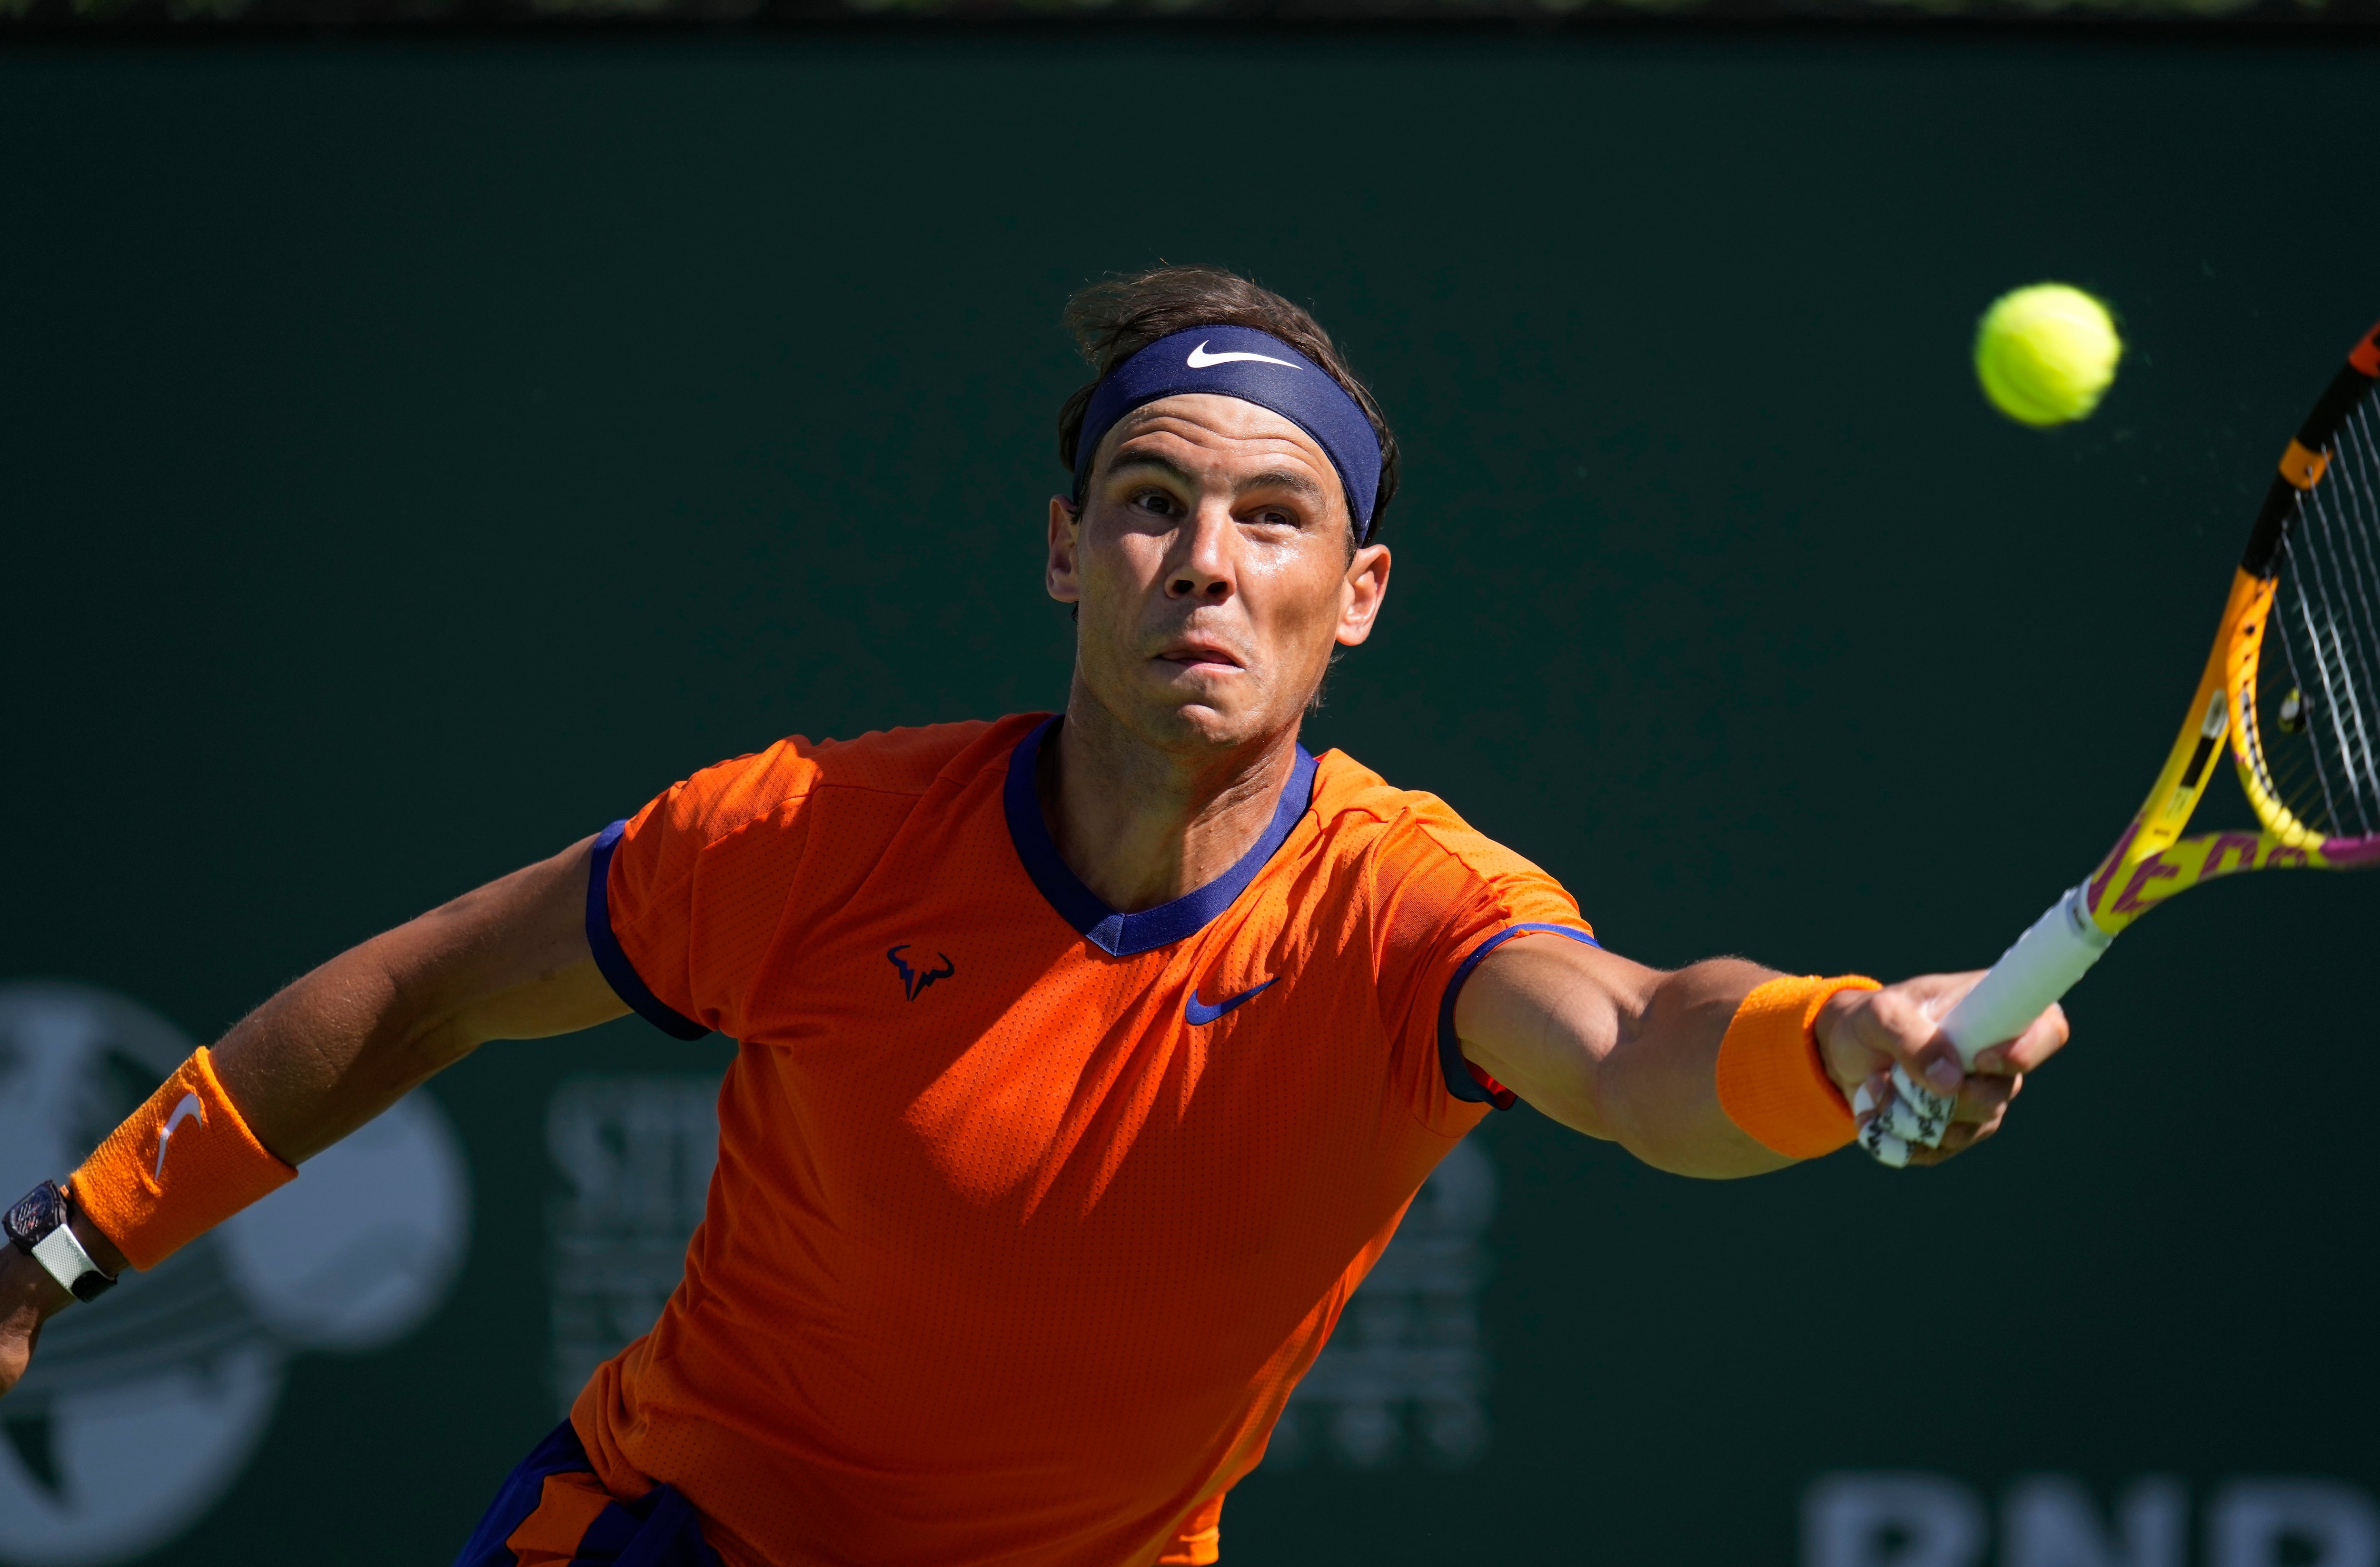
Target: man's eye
[{"x": 1155, "y": 501}]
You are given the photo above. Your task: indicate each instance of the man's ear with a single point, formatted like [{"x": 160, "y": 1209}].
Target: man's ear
[
  {"x": 1059, "y": 575},
  {"x": 1365, "y": 588}
]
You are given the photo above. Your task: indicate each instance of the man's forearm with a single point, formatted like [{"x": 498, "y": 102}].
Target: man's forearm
[
  {"x": 1656, "y": 1086},
  {"x": 1613, "y": 1049}
]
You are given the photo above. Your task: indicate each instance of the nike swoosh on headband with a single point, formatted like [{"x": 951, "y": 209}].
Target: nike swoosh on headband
[
  {"x": 1256, "y": 367},
  {"x": 188, "y": 1109},
  {"x": 1198, "y": 1012},
  {"x": 1200, "y": 358}
]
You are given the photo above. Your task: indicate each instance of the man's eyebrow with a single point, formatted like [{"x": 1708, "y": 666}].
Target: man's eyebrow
[
  {"x": 1296, "y": 483},
  {"x": 1130, "y": 458},
  {"x": 1284, "y": 479}
]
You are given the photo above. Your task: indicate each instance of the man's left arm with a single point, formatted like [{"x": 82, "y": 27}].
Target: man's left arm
[{"x": 1631, "y": 1054}]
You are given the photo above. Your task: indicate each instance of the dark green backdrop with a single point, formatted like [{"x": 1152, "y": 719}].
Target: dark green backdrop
[{"x": 416, "y": 457}]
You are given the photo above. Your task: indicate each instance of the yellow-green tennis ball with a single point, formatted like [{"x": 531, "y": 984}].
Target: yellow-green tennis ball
[{"x": 2047, "y": 354}]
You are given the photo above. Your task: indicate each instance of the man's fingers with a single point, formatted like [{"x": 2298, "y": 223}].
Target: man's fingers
[
  {"x": 16, "y": 1353},
  {"x": 1900, "y": 1025},
  {"x": 1962, "y": 1139},
  {"x": 1883, "y": 1146},
  {"x": 1896, "y": 1028},
  {"x": 1916, "y": 1113},
  {"x": 1959, "y": 1139},
  {"x": 1981, "y": 1098},
  {"x": 1914, "y": 1100},
  {"x": 2043, "y": 1038},
  {"x": 1914, "y": 1117}
]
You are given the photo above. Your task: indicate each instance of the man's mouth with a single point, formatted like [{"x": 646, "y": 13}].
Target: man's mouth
[{"x": 1198, "y": 654}]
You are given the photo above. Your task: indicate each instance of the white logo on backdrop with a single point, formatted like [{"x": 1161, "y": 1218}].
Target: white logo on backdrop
[
  {"x": 637, "y": 1153},
  {"x": 1920, "y": 1520},
  {"x": 141, "y": 1409},
  {"x": 1403, "y": 1376}
]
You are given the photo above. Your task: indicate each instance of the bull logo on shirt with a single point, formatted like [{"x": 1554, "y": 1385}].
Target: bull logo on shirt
[{"x": 915, "y": 979}]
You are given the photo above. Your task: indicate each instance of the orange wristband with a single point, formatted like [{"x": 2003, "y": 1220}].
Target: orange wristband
[
  {"x": 180, "y": 1165},
  {"x": 1771, "y": 1081}
]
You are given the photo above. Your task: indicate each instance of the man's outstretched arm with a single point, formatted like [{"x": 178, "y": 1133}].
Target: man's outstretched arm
[
  {"x": 1628, "y": 1053},
  {"x": 336, "y": 1047}
]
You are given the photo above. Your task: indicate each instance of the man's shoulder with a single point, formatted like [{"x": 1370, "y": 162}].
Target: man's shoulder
[
  {"x": 911, "y": 761},
  {"x": 894, "y": 765},
  {"x": 1351, "y": 798},
  {"x": 1363, "y": 814}
]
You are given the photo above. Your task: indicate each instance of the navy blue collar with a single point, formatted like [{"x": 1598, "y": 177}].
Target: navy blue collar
[{"x": 1125, "y": 935}]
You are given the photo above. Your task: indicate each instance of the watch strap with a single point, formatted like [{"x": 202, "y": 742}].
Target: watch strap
[
  {"x": 71, "y": 1266},
  {"x": 62, "y": 1255}
]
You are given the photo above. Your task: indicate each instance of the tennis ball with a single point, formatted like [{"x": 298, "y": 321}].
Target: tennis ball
[{"x": 2047, "y": 354}]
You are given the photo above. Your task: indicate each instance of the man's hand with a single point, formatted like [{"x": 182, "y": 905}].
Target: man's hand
[
  {"x": 1864, "y": 1033},
  {"x": 29, "y": 1297}
]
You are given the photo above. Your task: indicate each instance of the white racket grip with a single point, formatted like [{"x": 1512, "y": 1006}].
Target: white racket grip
[{"x": 2042, "y": 966}]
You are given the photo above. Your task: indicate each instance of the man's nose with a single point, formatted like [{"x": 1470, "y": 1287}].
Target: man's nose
[{"x": 1201, "y": 568}]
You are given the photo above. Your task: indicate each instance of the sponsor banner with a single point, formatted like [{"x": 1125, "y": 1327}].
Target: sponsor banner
[{"x": 1914, "y": 1519}]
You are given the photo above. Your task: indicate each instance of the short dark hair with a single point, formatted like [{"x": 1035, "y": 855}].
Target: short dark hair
[{"x": 1117, "y": 317}]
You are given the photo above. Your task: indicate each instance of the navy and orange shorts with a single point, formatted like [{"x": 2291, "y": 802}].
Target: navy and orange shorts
[{"x": 553, "y": 1512}]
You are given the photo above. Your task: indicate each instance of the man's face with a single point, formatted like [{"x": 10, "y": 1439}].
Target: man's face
[{"x": 1210, "y": 568}]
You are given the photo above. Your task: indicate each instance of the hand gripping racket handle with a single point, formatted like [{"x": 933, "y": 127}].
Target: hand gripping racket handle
[{"x": 2042, "y": 966}]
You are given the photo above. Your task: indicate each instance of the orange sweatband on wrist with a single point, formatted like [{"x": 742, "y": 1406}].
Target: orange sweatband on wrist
[
  {"x": 1771, "y": 1081},
  {"x": 180, "y": 1165}
]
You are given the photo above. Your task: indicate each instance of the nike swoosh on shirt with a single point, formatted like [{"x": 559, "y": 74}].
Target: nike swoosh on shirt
[
  {"x": 188, "y": 1109},
  {"x": 1199, "y": 360},
  {"x": 1198, "y": 1012}
]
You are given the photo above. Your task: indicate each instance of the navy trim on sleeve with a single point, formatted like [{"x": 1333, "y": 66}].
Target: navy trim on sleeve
[
  {"x": 1125, "y": 935},
  {"x": 626, "y": 983},
  {"x": 1457, "y": 1071}
]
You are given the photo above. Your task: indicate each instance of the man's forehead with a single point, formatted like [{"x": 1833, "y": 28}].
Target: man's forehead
[{"x": 1226, "y": 426}]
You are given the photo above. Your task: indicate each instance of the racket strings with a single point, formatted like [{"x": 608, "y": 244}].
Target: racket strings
[{"x": 2327, "y": 618}]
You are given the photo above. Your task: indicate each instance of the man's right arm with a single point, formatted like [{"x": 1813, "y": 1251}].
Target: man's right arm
[{"x": 336, "y": 1047}]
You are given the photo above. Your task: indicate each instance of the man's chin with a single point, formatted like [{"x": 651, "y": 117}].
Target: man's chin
[
  {"x": 1191, "y": 712},
  {"x": 1206, "y": 720}
]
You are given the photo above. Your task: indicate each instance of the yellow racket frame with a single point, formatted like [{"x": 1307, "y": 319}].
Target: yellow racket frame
[{"x": 2153, "y": 861}]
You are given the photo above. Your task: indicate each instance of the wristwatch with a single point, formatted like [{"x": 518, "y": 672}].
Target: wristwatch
[{"x": 37, "y": 1226}]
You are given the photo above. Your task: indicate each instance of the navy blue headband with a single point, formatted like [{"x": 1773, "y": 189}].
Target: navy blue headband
[{"x": 1256, "y": 367}]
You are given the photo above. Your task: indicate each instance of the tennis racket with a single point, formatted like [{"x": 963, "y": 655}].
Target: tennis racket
[{"x": 2305, "y": 737}]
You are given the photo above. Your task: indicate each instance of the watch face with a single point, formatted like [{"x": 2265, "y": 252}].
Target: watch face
[{"x": 37, "y": 1213}]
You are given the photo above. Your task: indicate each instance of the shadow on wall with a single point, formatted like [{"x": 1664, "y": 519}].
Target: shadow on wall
[{"x": 1919, "y": 1520}]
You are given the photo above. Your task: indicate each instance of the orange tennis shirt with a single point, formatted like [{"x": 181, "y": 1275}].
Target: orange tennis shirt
[{"x": 1029, "y": 1214}]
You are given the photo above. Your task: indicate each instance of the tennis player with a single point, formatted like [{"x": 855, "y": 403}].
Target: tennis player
[{"x": 1087, "y": 1059}]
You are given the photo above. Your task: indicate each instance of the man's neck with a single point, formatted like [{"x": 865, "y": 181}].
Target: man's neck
[{"x": 1140, "y": 825}]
